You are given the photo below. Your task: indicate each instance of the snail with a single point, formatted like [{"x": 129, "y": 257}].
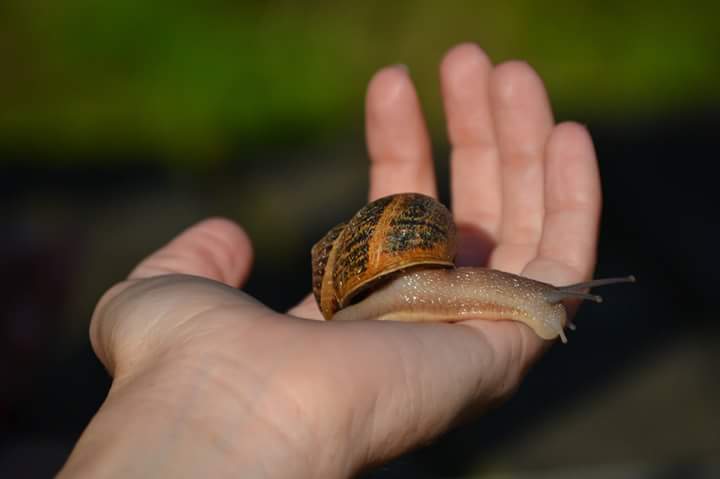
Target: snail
[{"x": 393, "y": 260}]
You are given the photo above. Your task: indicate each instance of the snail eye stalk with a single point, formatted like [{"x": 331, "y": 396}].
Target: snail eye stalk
[{"x": 578, "y": 290}]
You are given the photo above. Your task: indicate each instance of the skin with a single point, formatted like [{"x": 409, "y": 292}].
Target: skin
[{"x": 208, "y": 381}]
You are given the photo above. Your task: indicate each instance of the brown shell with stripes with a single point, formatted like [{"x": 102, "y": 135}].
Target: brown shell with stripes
[{"x": 386, "y": 236}]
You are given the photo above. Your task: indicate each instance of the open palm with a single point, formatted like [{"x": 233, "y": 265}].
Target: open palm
[{"x": 526, "y": 198}]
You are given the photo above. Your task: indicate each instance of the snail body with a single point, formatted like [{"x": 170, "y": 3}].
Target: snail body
[{"x": 394, "y": 261}]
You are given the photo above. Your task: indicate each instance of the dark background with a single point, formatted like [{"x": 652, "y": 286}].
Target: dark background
[{"x": 122, "y": 122}]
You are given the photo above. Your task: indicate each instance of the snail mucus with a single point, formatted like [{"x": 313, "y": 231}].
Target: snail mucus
[{"x": 393, "y": 261}]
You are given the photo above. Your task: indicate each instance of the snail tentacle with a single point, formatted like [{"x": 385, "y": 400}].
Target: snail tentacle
[{"x": 579, "y": 290}]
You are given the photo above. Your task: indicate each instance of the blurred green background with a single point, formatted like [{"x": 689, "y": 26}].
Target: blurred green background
[
  {"x": 191, "y": 81},
  {"x": 122, "y": 122}
]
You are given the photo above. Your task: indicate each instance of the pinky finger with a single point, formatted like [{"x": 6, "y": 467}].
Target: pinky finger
[{"x": 572, "y": 207}]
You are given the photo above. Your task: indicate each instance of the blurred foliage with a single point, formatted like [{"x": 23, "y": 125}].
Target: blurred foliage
[{"x": 190, "y": 80}]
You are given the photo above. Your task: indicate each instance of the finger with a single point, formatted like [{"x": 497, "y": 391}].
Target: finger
[
  {"x": 572, "y": 206},
  {"x": 398, "y": 144},
  {"x": 307, "y": 309},
  {"x": 475, "y": 167},
  {"x": 397, "y": 138},
  {"x": 523, "y": 122},
  {"x": 216, "y": 248}
]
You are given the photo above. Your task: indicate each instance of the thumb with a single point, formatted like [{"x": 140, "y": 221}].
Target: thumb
[
  {"x": 139, "y": 320},
  {"x": 215, "y": 248},
  {"x": 193, "y": 268}
]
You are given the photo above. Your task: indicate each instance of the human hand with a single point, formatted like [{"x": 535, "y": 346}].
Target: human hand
[{"x": 209, "y": 381}]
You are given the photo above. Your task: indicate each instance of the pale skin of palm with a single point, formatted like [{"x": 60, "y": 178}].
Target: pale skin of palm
[{"x": 209, "y": 382}]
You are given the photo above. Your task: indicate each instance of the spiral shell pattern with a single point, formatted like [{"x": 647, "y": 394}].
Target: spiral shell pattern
[{"x": 387, "y": 235}]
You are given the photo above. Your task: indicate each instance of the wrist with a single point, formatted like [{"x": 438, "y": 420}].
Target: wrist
[{"x": 183, "y": 417}]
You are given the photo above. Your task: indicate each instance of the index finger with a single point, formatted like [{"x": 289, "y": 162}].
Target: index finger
[{"x": 397, "y": 138}]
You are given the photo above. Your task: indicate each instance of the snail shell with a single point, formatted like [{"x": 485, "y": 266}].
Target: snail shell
[
  {"x": 386, "y": 236},
  {"x": 403, "y": 246}
]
